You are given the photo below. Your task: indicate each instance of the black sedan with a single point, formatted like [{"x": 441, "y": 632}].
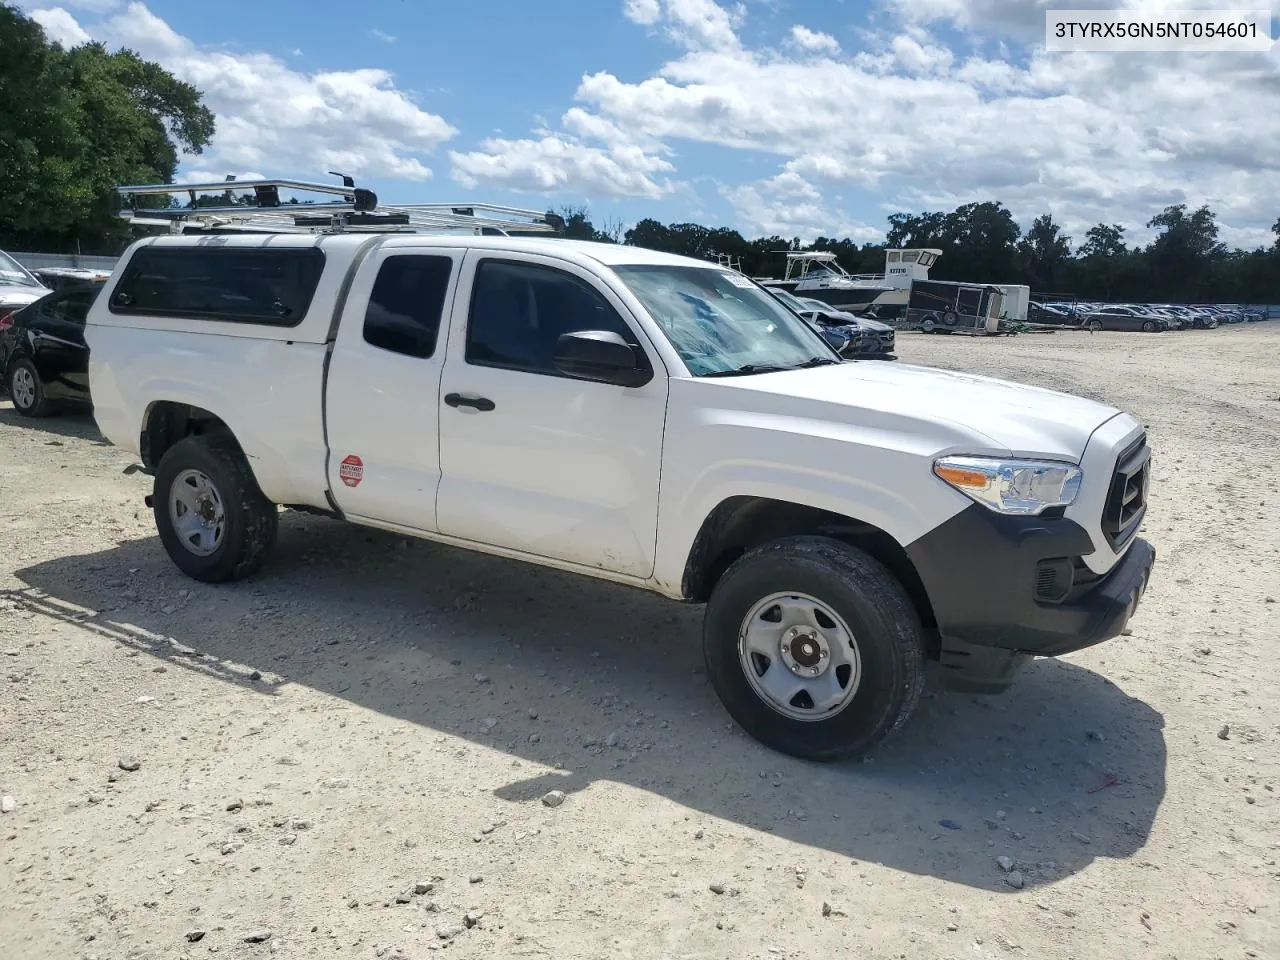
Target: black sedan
[{"x": 44, "y": 362}]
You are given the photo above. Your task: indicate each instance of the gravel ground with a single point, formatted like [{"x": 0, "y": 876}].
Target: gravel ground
[{"x": 347, "y": 756}]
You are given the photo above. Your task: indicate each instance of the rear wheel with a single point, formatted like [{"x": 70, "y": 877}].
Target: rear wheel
[
  {"x": 929, "y": 325},
  {"x": 214, "y": 521},
  {"x": 814, "y": 648},
  {"x": 950, "y": 318},
  {"x": 26, "y": 389},
  {"x": 1094, "y": 326},
  {"x": 1148, "y": 326}
]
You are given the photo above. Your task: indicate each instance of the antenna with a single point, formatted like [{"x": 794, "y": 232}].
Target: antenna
[{"x": 345, "y": 208}]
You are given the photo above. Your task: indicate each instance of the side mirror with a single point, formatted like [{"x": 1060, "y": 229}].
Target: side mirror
[{"x": 602, "y": 356}]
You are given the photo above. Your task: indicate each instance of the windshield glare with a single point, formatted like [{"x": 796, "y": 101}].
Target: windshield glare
[
  {"x": 12, "y": 274},
  {"x": 720, "y": 321},
  {"x": 794, "y": 302}
]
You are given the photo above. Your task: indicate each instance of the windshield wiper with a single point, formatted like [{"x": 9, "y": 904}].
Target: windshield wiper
[{"x": 747, "y": 369}]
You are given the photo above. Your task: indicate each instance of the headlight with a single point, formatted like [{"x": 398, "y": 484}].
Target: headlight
[{"x": 1023, "y": 487}]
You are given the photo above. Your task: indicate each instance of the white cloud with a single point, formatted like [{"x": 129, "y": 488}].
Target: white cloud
[
  {"x": 644, "y": 12},
  {"x": 813, "y": 41},
  {"x": 200, "y": 175},
  {"x": 788, "y": 206},
  {"x": 382, "y": 35},
  {"x": 557, "y": 164},
  {"x": 924, "y": 123},
  {"x": 60, "y": 27},
  {"x": 695, "y": 24},
  {"x": 275, "y": 118}
]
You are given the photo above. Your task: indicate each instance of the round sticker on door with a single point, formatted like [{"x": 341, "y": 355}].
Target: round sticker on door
[{"x": 351, "y": 470}]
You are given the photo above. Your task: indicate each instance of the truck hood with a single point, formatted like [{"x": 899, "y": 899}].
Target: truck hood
[{"x": 1016, "y": 419}]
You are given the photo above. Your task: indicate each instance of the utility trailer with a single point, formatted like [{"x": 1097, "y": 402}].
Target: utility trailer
[{"x": 944, "y": 306}]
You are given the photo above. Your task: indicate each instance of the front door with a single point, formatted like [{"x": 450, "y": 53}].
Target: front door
[
  {"x": 382, "y": 392},
  {"x": 533, "y": 460}
]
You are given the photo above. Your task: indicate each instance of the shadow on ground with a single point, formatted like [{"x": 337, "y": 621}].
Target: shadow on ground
[
  {"x": 1072, "y": 762},
  {"x": 70, "y": 421}
]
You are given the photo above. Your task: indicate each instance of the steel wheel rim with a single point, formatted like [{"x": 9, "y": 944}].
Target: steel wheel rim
[
  {"x": 799, "y": 657},
  {"x": 22, "y": 386},
  {"x": 196, "y": 511}
]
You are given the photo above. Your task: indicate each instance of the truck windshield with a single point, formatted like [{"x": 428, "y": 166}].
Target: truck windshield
[
  {"x": 722, "y": 323},
  {"x": 13, "y": 275}
]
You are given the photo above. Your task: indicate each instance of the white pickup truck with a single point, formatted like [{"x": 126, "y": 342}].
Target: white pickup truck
[{"x": 638, "y": 417}]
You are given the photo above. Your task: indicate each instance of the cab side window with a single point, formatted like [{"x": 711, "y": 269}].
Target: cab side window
[
  {"x": 406, "y": 304},
  {"x": 520, "y": 310}
]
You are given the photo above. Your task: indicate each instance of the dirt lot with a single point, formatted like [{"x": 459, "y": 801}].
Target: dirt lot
[{"x": 371, "y": 715}]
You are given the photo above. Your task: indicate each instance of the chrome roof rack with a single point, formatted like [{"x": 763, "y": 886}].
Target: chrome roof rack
[{"x": 257, "y": 206}]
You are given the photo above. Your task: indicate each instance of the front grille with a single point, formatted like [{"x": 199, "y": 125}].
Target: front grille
[{"x": 1127, "y": 498}]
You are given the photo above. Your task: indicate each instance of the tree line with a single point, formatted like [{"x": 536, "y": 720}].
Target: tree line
[
  {"x": 76, "y": 123},
  {"x": 1185, "y": 262}
]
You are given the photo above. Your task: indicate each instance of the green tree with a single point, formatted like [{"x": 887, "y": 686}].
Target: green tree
[
  {"x": 1104, "y": 240},
  {"x": 578, "y": 226},
  {"x": 1181, "y": 258},
  {"x": 1044, "y": 253},
  {"x": 76, "y": 123},
  {"x": 40, "y": 142}
]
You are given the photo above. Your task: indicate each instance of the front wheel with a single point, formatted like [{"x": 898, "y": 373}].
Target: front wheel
[
  {"x": 1094, "y": 326},
  {"x": 214, "y": 521},
  {"x": 814, "y": 648},
  {"x": 1148, "y": 326}
]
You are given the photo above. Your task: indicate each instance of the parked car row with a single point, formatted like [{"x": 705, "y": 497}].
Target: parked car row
[{"x": 1145, "y": 317}]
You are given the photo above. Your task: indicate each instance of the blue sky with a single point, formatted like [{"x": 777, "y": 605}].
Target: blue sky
[{"x": 800, "y": 117}]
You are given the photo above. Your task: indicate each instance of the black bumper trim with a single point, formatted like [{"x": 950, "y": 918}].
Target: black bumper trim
[{"x": 979, "y": 570}]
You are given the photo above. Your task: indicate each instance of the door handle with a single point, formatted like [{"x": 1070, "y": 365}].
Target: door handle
[{"x": 477, "y": 403}]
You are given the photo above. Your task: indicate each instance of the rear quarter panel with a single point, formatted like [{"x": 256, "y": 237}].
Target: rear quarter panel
[
  {"x": 263, "y": 381},
  {"x": 266, "y": 391}
]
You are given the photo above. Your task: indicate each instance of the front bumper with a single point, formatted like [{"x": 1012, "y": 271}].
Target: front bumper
[
  {"x": 1004, "y": 589},
  {"x": 876, "y": 345}
]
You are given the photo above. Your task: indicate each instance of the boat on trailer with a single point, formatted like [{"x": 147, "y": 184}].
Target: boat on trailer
[{"x": 818, "y": 275}]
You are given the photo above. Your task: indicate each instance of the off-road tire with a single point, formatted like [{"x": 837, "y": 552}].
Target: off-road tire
[
  {"x": 252, "y": 521},
  {"x": 40, "y": 406},
  {"x": 876, "y": 609}
]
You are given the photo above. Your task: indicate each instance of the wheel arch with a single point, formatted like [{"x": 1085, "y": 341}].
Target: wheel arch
[
  {"x": 739, "y": 523},
  {"x": 165, "y": 422}
]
